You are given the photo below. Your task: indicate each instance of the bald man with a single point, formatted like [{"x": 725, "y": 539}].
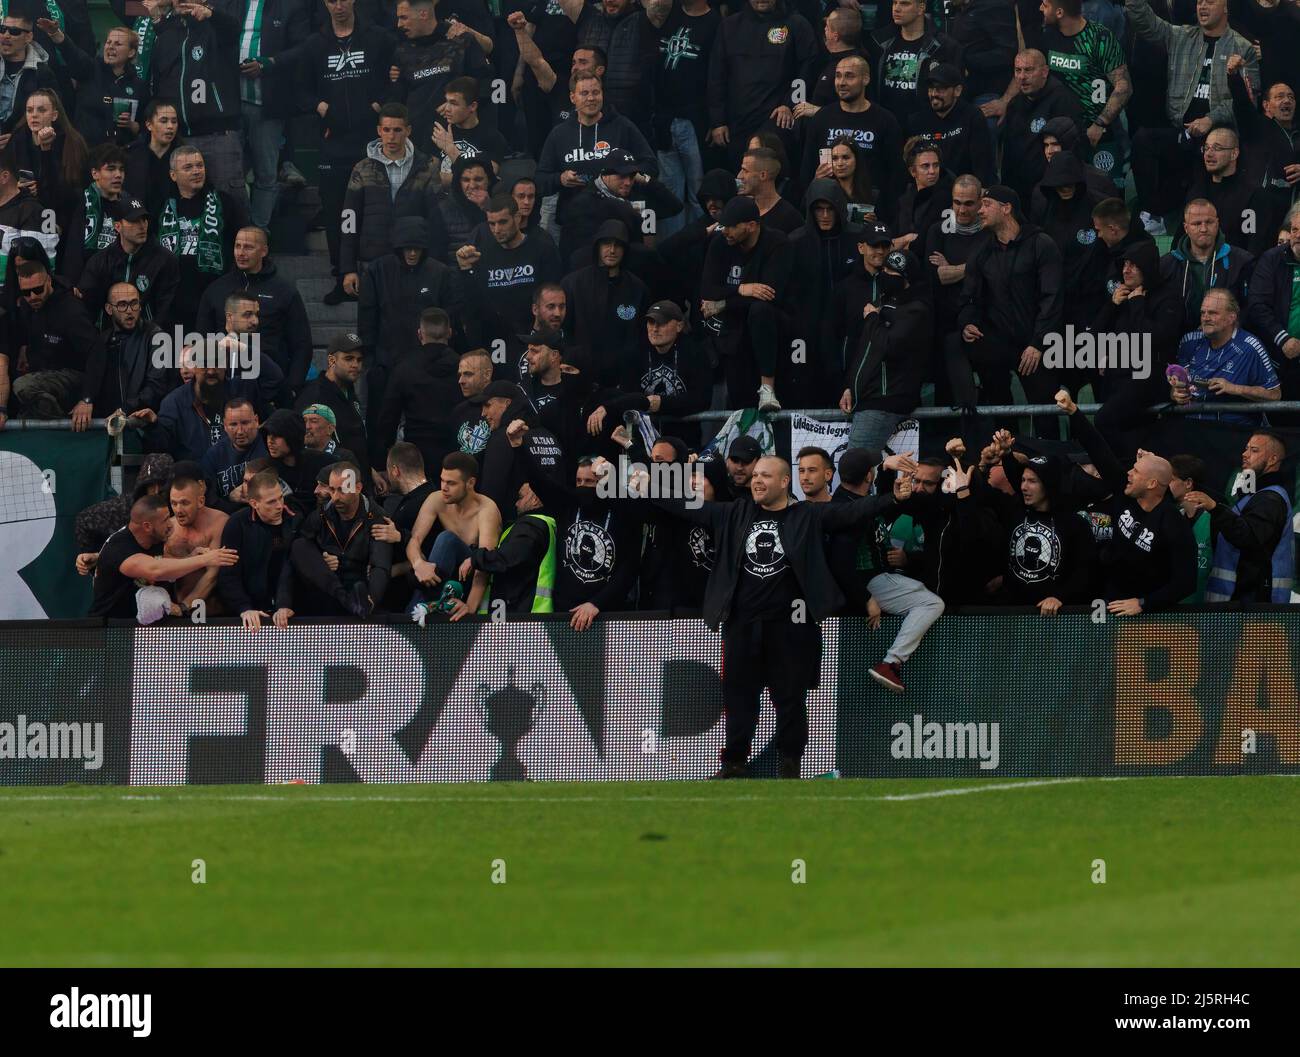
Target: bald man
[
  {"x": 1254, "y": 551},
  {"x": 769, "y": 590}
]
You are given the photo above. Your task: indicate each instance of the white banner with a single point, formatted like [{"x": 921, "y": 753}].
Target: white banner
[{"x": 811, "y": 433}]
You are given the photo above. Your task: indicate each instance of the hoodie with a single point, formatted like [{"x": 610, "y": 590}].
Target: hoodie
[
  {"x": 755, "y": 62},
  {"x": 892, "y": 355},
  {"x": 18, "y": 82},
  {"x": 394, "y": 294},
  {"x": 605, "y": 319},
  {"x": 821, "y": 260},
  {"x": 1027, "y": 117},
  {"x": 1049, "y": 553},
  {"x": 1228, "y": 267},
  {"x": 1158, "y": 311},
  {"x": 423, "y": 392},
  {"x": 460, "y": 216},
  {"x": 300, "y": 475},
  {"x": 573, "y": 145},
  {"x": 1066, "y": 131},
  {"x": 1067, "y": 220},
  {"x": 282, "y": 325},
  {"x": 683, "y": 251}
]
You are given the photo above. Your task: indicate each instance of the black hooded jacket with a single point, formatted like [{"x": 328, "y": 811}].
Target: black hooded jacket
[
  {"x": 394, "y": 293},
  {"x": 282, "y": 324},
  {"x": 1068, "y": 134},
  {"x": 425, "y": 65},
  {"x": 595, "y": 204},
  {"x": 1022, "y": 132},
  {"x": 1015, "y": 288},
  {"x": 1067, "y": 220},
  {"x": 921, "y": 207},
  {"x": 460, "y": 216},
  {"x": 892, "y": 355},
  {"x": 188, "y": 51},
  {"x": 605, "y": 320},
  {"x": 362, "y": 558},
  {"x": 820, "y": 260},
  {"x": 1158, "y": 311},
  {"x": 300, "y": 473},
  {"x": 1049, "y": 554},
  {"x": 423, "y": 391},
  {"x": 683, "y": 251}
]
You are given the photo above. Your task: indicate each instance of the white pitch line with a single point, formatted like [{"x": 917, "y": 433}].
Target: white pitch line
[{"x": 433, "y": 801}]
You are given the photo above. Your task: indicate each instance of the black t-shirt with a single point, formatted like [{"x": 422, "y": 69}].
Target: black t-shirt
[
  {"x": 481, "y": 139},
  {"x": 1200, "y": 104},
  {"x": 681, "y": 74},
  {"x": 115, "y": 593},
  {"x": 767, "y": 585},
  {"x": 407, "y": 508}
]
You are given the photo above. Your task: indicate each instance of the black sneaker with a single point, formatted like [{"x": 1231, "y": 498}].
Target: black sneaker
[
  {"x": 732, "y": 770},
  {"x": 788, "y": 767}
]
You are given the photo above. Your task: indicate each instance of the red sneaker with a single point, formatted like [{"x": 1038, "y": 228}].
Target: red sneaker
[{"x": 886, "y": 675}]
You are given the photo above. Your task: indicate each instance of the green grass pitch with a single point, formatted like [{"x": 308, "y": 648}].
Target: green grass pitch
[{"x": 1199, "y": 871}]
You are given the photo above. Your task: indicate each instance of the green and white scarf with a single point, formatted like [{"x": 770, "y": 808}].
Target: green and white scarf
[
  {"x": 250, "y": 49},
  {"x": 200, "y": 237},
  {"x": 98, "y": 234},
  {"x": 52, "y": 8},
  {"x": 144, "y": 29}
]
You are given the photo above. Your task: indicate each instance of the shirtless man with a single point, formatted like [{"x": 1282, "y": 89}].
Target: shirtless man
[
  {"x": 196, "y": 527},
  {"x": 467, "y": 519}
]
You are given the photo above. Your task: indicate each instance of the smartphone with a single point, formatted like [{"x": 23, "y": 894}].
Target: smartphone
[
  {"x": 824, "y": 156},
  {"x": 26, "y": 176}
]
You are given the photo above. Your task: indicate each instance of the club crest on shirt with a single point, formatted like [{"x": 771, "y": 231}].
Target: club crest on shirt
[
  {"x": 764, "y": 555},
  {"x": 778, "y": 34},
  {"x": 1035, "y": 551},
  {"x": 588, "y": 551}
]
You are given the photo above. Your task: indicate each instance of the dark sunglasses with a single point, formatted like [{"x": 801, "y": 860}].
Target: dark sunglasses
[{"x": 13, "y": 31}]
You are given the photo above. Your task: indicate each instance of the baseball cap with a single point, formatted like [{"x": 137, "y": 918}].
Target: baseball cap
[
  {"x": 744, "y": 449},
  {"x": 856, "y": 463},
  {"x": 622, "y": 162},
  {"x": 127, "y": 209},
  {"x": 945, "y": 75},
  {"x": 324, "y": 410},
  {"x": 508, "y": 390},
  {"x": 344, "y": 342},
  {"x": 547, "y": 336},
  {"x": 663, "y": 311},
  {"x": 905, "y": 263},
  {"x": 740, "y": 210},
  {"x": 876, "y": 233},
  {"x": 1004, "y": 194}
]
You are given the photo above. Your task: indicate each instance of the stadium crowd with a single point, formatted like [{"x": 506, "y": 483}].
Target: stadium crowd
[{"x": 567, "y": 226}]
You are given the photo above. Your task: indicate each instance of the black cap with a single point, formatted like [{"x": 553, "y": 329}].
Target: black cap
[
  {"x": 552, "y": 339},
  {"x": 126, "y": 209},
  {"x": 744, "y": 449},
  {"x": 508, "y": 390},
  {"x": 945, "y": 75},
  {"x": 876, "y": 233},
  {"x": 1004, "y": 194},
  {"x": 344, "y": 342},
  {"x": 856, "y": 463},
  {"x": 663, "y": 311},
  {"x": 740, "y": 210},
  {"x": 905, "y": 263},
  {"x": 622, "y": 162}
]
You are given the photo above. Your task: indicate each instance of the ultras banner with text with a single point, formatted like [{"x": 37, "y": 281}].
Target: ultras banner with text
[{"x": 1006, "y": 695}]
